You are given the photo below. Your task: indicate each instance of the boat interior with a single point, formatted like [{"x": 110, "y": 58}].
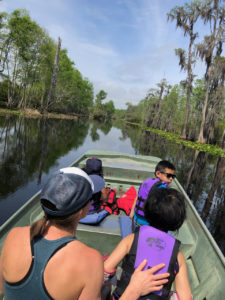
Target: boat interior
[{"x": 205, "y": 262}]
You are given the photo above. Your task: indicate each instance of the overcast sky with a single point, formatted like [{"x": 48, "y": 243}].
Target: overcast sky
[{"x": 124, "y": 47}]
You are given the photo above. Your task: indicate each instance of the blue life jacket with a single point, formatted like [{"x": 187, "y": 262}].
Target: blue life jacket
[
  {"x": 157, "y": 247},
  {"x": 143, "y": 192},
  {"x": 95, "y": 217}
]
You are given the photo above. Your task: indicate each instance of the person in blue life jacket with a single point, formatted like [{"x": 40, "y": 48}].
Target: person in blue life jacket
[
  {"x": 164, "y": 174},
  {"x": 166, "y": 209},
  {"x": 93, "y": 167},
  {"x": 46, "y": 261}
]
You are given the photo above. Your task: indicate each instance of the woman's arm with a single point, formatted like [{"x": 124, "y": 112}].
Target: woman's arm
[
  {"x": 133, "y": 207},
  {"x": 144, "y": 282},
  {"x": 181, "y": 280}
]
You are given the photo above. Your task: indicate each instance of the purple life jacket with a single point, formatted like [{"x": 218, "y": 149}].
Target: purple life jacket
[
  {"x": 143, "y": 192},
  {"x": 157, "y": 247}
]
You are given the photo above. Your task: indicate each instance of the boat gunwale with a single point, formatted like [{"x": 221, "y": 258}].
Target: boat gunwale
[{"x": 202, "y": 224}]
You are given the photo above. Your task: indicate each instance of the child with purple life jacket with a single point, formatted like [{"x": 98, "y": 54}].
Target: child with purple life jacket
[
  {"x": 165, "y": 209},
  {"x": 164, "y": 173}
]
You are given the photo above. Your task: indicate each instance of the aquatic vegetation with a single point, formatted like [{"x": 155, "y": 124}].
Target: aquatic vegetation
[{"x": 212, "y": 149}]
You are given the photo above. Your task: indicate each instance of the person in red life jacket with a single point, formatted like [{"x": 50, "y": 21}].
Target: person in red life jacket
[
  {"x": 94, "y": 167},
  {"x": 164, "y": 174},
  {"x": 166, "y": 209}
]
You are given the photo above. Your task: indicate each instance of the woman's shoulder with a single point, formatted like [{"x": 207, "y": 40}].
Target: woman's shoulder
[
  {"x": 87, "y": 251},
  {"x": 87, "y": 257},
  {"x": 18, "y": 233},
  {"x": 17, "y": 239}
]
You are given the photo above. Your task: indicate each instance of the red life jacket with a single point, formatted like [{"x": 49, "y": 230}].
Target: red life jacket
[
  {"x": 110, "y": 204},
  {"x": 126, "y": 201}
]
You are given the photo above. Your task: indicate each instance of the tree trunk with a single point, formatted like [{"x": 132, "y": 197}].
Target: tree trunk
[
  {"x": 189, "y": 88},
  {"x": 215, "y": 36},
  {"x": 22, "y": 101},
  {"x": 201, "y": 138},
  {"x": 54, "y": 75},
  {"x": 13, "y": 86},
  {"x": 157, "y": 116},
  {"x": 220, "y": 168},
  {"x": 9, "y": 89},
  {"x": 189, "y": 175}
]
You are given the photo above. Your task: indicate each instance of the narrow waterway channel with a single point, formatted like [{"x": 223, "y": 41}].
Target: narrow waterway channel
[{"x": 31, "y": 149}]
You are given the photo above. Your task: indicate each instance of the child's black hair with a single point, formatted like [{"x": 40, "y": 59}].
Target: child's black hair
[
  {"x": 163, "y": 164},
  {"x": 165, "y": 209},
  {"x": 93, "y": 167}
]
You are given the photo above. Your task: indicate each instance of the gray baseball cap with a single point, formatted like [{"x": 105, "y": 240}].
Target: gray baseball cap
[{"x": 68, "y": 190}]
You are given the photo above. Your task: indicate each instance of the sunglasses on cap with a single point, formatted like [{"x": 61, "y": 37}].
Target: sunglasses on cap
[{"x": 169, "y": 175}]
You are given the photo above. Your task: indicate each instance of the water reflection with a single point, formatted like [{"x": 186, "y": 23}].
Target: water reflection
[
  {"x": 33, "y": 145},
  {"x": 30, "y": 149},
  {"x": 96, "y": 126}
]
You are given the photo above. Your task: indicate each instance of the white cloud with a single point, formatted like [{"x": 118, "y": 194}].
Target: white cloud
[
  {"x": 120, "y": 94},
  {"x": 96, "y": 49}
]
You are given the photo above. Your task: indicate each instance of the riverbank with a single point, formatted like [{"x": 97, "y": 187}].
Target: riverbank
[
  {"x": 34, "y": 113},
  {"x": 212, "y": 149}
]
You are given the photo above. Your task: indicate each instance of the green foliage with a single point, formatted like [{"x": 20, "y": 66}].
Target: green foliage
[
  {"x": 214, "y": 150},
  {"x": 109, "y": 108},
  {"x": 27, "y": 57},
  {"x": 73, "y": 93},
  {"x": 119, "y": 114},
  {"x": 4, "y": 91},
  {"x": 99, "y": 98},
  {"x": 9, "y": 112},
  {"x": 173, "y": 110},
  {"x": 103, "y": 111},
  {"x": 23, "y": 33}
]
